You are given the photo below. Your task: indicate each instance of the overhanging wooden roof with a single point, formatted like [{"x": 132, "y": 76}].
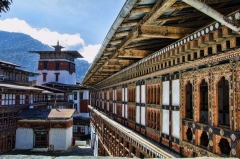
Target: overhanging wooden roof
[
  {"x": 146, "y": 26},
  {"x": 46, "y": 113}
]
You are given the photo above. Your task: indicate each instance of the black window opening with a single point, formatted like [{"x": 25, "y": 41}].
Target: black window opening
[
  {"x": 57, "y": 66},
  {"x": 189, "y": 135},
  {"x": 75, "y": 95},
  {"x": 75, "y": 106},
  {"x": 41, "y": 139},
  {"x": 57, "y": 77},
  {"x": 81, "y": 95},
  {"x": 44, "y": 77},
  {"x": 45, "y": 64},
  {"x": 204, "y": 140},
  {"x": 189, "y": 105},
  {"x": 204, "y": 102},
  {"x": 71, "y": 67},
  {"x": 223, "y": 102},
  {"x": 224, "y": 147}
]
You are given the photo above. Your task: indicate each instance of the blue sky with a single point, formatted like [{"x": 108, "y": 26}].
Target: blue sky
[{"x": 78, "y": 24}]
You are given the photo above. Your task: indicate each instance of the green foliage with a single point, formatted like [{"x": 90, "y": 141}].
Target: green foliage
[
  {"x": 14, "y": 48},
  {"x": 4, "y": 5}
]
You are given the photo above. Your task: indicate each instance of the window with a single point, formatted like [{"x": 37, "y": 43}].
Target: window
[
  {"x": 45, "y": 63},
  {"x": 57, "y": 65},
  {"x": 75, "y": 95},
  {"x": 82, "y": 129},
  {"x": 75, "y": 106},
  {"x": 188, "y": 106},
  {"x": 81, "y": 95},
  {"x": 204, "y": 102},
  {"x": 8, "y": 99},
  {"x": 22, "y": 99},
  {"x": 75, "y": 129},
  {"x": 71, "y": 68},
  {"x": 40, "y": 139},
  {"x": 79, "y": 129},
  {"x": 44, "y": 77},
  {"x": 56, "y": 78},
  {"x": 224, "y": 147},
  {"x": 204, "y": 140},
  {"x": 223, "y": 102}
]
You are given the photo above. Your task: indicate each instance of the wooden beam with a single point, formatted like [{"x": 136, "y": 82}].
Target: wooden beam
[
  {"x": 122, "y": 63},
  {"x": 157, "y": 11},
  {"x": 131, "y": 53},
  {"x": 133, "y": 34},
  {"x": 184, "y": 5},
  {"x": 193, "y": 23},
  {"x": 140, "y": 10},
  {"x": 165, "y": 31},
  {"x": 120, "y": 34},
  {"x": 107, "y": 53},
  {"x": 114, "y": 42},
  {"x": 116, "y": 67},
  {"x": 150, "y": 43},
  {"x": 128, "y": 24},
  {"x": 180, "y": 17}
]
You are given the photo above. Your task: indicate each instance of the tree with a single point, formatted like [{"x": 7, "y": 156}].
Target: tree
[{"x": 4, "y": 5}]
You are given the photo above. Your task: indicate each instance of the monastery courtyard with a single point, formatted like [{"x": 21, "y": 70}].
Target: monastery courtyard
[{"x": 74, "y": 151}]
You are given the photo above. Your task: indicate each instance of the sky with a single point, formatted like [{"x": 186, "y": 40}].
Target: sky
[{"x": 80, "y": 25}]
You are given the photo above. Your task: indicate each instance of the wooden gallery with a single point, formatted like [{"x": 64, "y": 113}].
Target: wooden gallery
[{"x": 166, "y": 81}]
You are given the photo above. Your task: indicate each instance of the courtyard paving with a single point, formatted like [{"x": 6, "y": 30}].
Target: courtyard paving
[{"x": 72, "y": 152}]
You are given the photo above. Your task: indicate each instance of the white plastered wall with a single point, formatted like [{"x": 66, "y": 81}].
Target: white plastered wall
[
  {"x": 126, "y": 111},
  {"x": 165, "y": 96},
  {"x": 175, "y": 124},
  {"x": 143, "y": 112},
  {"x": 60, "y": 138},
  {"x": 165, "y": 124},
  {"x": 143, "y": 94},
  {"x": 24, "y": 138},
  {"x": 63, "y": 77},
  {"x": 126, "y": 95},
  {"x": 137, "y": 94},
  {"x": 138, "y": 114},
  {"x": 175, "y": 92},
  {"x": 123, "y": 110}
]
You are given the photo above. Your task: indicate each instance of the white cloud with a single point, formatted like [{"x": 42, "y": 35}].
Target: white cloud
[
  {"x": 51, "y": 37},
  {"x": 44, "y": 35},
  {"x": 89, "y": 52}
]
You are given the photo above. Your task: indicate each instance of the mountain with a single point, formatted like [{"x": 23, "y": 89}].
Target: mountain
[{"x": 14, "y": 48}]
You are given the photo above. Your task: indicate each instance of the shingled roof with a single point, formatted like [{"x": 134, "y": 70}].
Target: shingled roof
[{"x": 46, "y": 114}]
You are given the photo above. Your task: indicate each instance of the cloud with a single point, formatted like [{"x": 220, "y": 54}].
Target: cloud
[
  {"x": 43, "y": 34},
  {"x": 51, "y": 37},
  {"x": 89, "y": 52}
]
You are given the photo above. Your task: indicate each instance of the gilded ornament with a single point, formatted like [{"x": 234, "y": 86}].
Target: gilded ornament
[
  {"x": 193, "y": 136},
  {"x": 193, "y": 125},
  {"x": 221, "y": 132},
  {"x": 233, "y": 137},
  {"x": 210, "y": 142},
  {"x": 210, "y": 130},
  {"x": 233, "y": 151}
]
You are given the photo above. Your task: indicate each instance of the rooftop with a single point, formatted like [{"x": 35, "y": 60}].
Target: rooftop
[{"x": 46, "y": 113}]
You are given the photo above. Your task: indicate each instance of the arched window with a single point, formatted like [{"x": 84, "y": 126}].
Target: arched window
[
  {"x": 189, "y": 108},
  {"x": 189, "y": 135},
  {"x": 223, "y": 102},
  {"x": 204, "y": 140},
  {"x": 204, "y": 102},
  {"x": 224, "y": 146}
]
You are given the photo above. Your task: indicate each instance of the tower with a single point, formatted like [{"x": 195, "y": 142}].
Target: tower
[{"x": 57, "y": 66}]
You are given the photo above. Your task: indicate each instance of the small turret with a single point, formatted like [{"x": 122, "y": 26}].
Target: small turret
[{"x": 58, "y": 47}]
